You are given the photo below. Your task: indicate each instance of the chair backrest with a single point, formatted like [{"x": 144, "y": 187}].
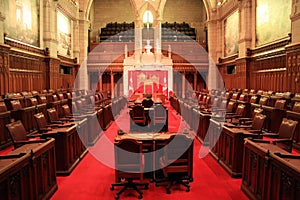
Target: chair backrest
[
  {"x": 128, "y": 158},
  {"x": 263, "y": 101},
  {"x": 147, "y": 103},
  {"x": 287, "y": 128},
  {"x": 296, "y": 107},
  {"x": 52, "y": 114},
  {"x": 17, "y": 132},
  {"x": 66, "y": 110},
  {"x": 258, "y": 121},
  {"x": 138, "y": 111},
  {"x": 178, "y": 151},
  {"x": 241, "y": 110},
  {"x": 40, "y": 120},
  {"x": 159, "y": 112},
  {"x": 230, "y": 106},
  {"x": 280, "y": 104},
  {"x": 3, "y": 107},
  {"x": 253, "y": 99}
]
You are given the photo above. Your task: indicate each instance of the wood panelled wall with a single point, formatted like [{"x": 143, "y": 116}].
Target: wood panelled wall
[
  {"x": 26, "y": 68},
  {"x": 277, "y": 70}
]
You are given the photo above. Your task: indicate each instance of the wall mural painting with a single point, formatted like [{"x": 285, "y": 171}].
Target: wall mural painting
[
  {"x": 64, "y": 34},
  {"x": 22, "y": 20},
  {"x": 231, "y": 25},
  {"x": 272, "y": 20}
]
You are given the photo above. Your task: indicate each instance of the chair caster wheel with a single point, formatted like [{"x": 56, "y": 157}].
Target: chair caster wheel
[
  {"x": 168, "y": 192},
  {"x": 146, "y": 187},
  {"x": 117, "y": 197},
  {"x": 111, "y": 188},
  {"x": 140, "y": 196},
  {"x": 187, "y": 190},
  {"x": 156, "y": 185}
]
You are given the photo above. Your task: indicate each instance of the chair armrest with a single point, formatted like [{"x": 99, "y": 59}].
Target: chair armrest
[
  {"x": 31, "y": 141},
  {"x": 254, "y": 131},
  {"x": 245, "y": 119},
  {"x": 34, "y": 135},
  {"x": 56, "y": 122},
  {"x": 261, "y": 140},
  {"x": 271, "y": 135},
  {"x": 281, "y": 140}
]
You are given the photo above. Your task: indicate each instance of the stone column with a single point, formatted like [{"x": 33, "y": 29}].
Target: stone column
[
  {"x": 50, "y": 27},
  {"x": 295, "y": 19},
  {"x": 138, "y": 40},
  {"x": 83, "y": 45},
  {"x": 245, "y": 36},
  {"x": 2, "y": 18},
  {"x": 213, "y": 53}
]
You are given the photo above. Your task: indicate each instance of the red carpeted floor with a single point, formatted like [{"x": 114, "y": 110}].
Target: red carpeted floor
[{"x": 91, "y": 179}]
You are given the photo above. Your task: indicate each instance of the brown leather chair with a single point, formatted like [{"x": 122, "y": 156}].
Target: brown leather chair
[
  {"x": 285, "y": 134},
  {"x": 280, "y": 104},
  {"x": 240, "y": 112},
  {"x": 129, "y": 165},
  {"x": 176, "y": 163},
  {"x": 53, "y": 117},
  {"x": 19, "y": 136},
  {"x": 147, "y": 103},
  {"x": 296, "y": 107},
  {"x": 159, "y": 117},
  {"x": 255, "y": 127},
  {"x": 138, "y": 115},
  {"x": 42, "y": 123}
]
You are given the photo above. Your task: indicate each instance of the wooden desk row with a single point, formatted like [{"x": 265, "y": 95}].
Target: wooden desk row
[
  {"x": 199, "y": 121},
  {"x": 29, "y": 172},
  {"x": 270, "y": 172}
]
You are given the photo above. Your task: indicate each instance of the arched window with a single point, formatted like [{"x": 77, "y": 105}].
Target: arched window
[{"x": 148, "y": 17}]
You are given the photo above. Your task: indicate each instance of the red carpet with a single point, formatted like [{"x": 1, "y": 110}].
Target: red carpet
[{"x": 91, "y": 179}]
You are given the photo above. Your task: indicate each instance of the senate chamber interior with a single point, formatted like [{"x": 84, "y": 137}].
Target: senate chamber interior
[{"x": 149, "y": 99}]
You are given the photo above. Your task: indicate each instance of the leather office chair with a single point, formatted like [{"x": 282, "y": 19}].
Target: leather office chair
[
  {"x": 280, "y": 104},
  {"x": 249, "y": 120},
  {"x": 176, "y": 162},
  {"x": 147, "y": 103},
  {"x": 159, "y": 117},
  {"x": 19, "y": 136},
  {"x": 285, "y": 135},
  {"x": 256, "y": 125},
  {"x": 42, "y": 124},
  {"x": 129, "y": 165},
  {"x": 240, "y": 112},
  {"x": 296, "y": 107},
  {"x": 138, "y": 115},
  {"x": 53, "y": 117}
]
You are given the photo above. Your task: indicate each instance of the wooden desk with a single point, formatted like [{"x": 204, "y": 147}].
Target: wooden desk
[
  {"x": 69, "y": 146},
  {"x": 229, "y": 144},
  {"x": 152, "y": 142},
  {"x": 267, "y": 175},
  {"x": 29, "y": 173}
]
